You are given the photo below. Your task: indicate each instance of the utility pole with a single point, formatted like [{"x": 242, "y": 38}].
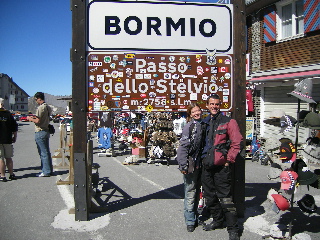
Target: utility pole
[
  {"x": 79, "y": 108},
  {"x": 239, "y": 99}
]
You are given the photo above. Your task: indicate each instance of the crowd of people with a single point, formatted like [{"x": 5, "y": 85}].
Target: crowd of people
[{"x": 207, "y": 148}]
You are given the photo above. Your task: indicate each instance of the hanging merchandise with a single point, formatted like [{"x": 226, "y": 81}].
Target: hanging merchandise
[
  {"x": 299, "y": 165},
  {"x": 303, "y": 91},
  {"x": 316, "y": 184},
  {"x": 307, "y": 204},
  {"x": 288, "y": 152},
  {"x": 105, "y": 119},
  {"x": 283, "y": 140},
  {"x": 104, "y": 135},
  {"x": 249, "y": 101},
  {"x": 312, "y": 150},
  {"x": 286, "y": 123},
  {"x": 178, "y": 125},
  {"x": 312, "y": 121},
  {"x": 288, "y": 179},
  {"x": 306, "y": 177},
  {"x": 163, "y": 138},
  {"x": 255, "y": 145},
  {"x": 280, "y": 203},
  {"x": 302, "y": 114}
]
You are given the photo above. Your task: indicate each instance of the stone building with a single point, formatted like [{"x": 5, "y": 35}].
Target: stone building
[{"x": 16, "y": 99}]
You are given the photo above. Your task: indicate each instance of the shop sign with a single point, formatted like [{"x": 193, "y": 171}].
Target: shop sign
[
  {"x": 159, "y": 26},
  {"x": 157, "y": 82}
]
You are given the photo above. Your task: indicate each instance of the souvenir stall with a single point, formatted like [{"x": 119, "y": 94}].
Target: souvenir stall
[
  {"x": 162, "y": 138},
  {"x": 295, "y": 168},
  {"x": 130, "y": 136}
]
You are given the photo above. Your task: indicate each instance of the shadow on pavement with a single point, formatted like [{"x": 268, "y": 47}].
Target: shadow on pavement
[{"x": 114, "y": 198}]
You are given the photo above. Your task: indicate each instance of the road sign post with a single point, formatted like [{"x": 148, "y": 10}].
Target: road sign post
[{"x": 79, "y": 109}]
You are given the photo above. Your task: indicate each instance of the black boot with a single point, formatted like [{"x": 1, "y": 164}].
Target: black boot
[
  {"x": 232, "y": 222},
  {"x": 234, "y": 236},
  {"x": 212, "y": 226}
]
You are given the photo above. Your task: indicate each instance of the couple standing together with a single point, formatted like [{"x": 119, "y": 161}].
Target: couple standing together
[{"x": 211, "y": 145}]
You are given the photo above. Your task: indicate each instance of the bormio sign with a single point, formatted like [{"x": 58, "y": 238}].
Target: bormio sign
[{"x": 158, "y": 56}]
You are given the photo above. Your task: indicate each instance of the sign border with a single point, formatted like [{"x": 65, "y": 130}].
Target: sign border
[{"x": 91, "y": 48}]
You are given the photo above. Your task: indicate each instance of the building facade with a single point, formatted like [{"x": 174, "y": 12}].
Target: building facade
[
  {"x": 283, "y": 48},
  {"x": 16, "y": 99}
]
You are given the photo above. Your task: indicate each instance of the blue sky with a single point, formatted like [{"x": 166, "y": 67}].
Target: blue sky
[
  {"x": 35, "y": 44},
  {"x": 35, "y": 41}
]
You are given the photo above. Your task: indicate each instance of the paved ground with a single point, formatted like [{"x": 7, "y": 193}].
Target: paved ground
[{"x": 144, "y": 202}]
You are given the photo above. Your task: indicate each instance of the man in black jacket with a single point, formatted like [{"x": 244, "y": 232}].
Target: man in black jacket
[
  {"x": 222, "y": 146},
  {"x": 8, "y": 130}
]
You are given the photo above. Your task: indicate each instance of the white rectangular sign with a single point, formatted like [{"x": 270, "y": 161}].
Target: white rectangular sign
[{"x": 159, "y": 26}]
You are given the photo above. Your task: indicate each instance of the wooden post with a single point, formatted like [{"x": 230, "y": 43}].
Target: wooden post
[
  {"x": 62, "y": 149},
  {"x": 79, "y": 106},
  {"x": 239, "y": 99},
  {"x": 70, "y": 178}
]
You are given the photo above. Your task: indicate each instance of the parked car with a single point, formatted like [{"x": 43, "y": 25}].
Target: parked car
[{"x": 23, "y": 118}]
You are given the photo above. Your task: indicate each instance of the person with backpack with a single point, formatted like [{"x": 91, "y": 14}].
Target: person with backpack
[
  {"x": 223, "y": 144},
  {"x": 188, "y": 157}
]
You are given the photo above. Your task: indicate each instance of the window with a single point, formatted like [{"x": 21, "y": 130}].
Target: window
[{"x": 290, "y": 19}]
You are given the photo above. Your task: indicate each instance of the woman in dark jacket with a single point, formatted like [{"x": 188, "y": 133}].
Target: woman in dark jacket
[{"x": 190, "y": 148}]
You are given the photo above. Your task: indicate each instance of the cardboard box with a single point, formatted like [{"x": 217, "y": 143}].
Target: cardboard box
[
  {"x": 142, "y": 152},
  {"x": 135, "y": 151}
]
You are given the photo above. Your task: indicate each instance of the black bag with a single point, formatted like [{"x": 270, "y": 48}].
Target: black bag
[{"x": 51, "y": 129}]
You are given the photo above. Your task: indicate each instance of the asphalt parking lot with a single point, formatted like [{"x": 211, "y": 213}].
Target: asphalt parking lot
[{"x": 143, "y": 201}]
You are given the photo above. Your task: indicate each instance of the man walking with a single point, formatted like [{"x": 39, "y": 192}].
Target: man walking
[
  {"x": 42, "y": 135},
  {"x": 8, "y": 130},
  {"x": 221, "y": 149}
]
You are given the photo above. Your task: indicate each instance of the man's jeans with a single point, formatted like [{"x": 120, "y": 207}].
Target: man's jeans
[
  {"x": 42, "y": 141},
  {"x": 192, "y": 184}
]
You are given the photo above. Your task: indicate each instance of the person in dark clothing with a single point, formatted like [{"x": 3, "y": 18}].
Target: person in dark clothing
[
  {"x": 191, "y": 146},
  {"x": 8, "y": 130},
  {"x": 223, "y": 141}
]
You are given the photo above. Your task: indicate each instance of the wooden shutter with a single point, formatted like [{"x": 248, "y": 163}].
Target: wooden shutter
[
  {"x": 269, "y": 24},
  {"x": 311, "y": 15}
]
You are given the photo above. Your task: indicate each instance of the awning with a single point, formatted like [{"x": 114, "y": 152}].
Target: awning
[{"x": 287, "y": 76}]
